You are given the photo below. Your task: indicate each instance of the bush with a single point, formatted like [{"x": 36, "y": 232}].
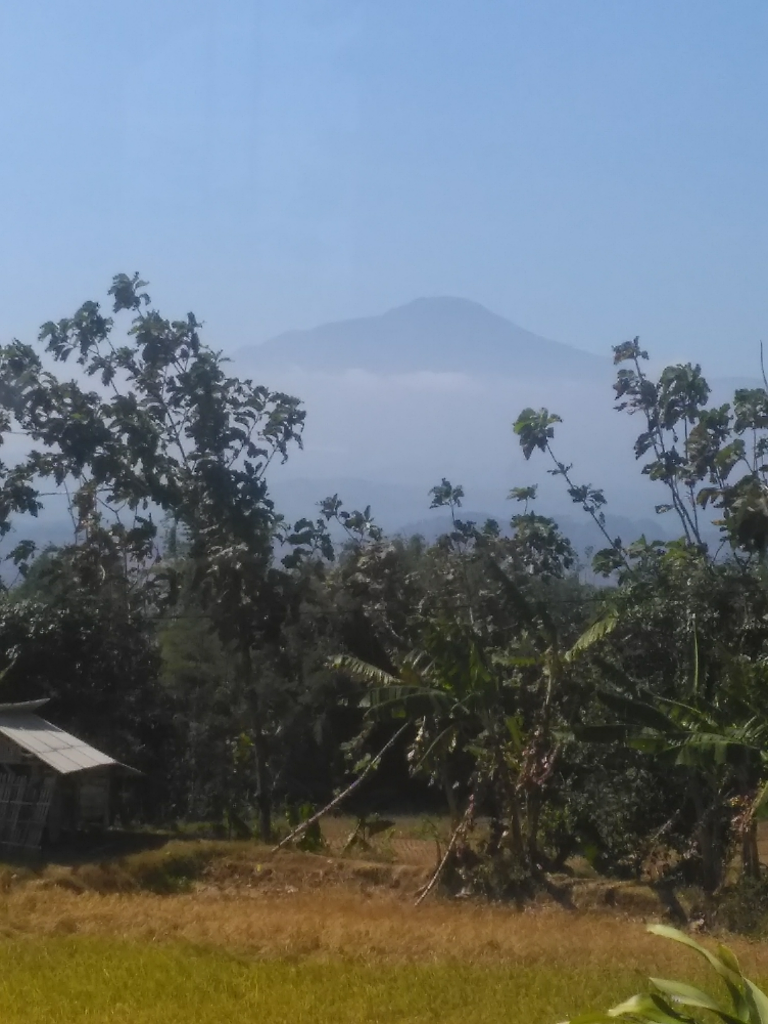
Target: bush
[
  {"x": 172, "y": 869},
  {"x": 741, "y": 908}
]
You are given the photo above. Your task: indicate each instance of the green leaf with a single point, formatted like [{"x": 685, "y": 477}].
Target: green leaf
[
  {"x": 594, "y": 633},
  {"x": 362, "y": 671},
  {"x": 689, "y": 995},
  {"x": 758, "y": 1003},
  {"x": 514, "y": 727},
  {"x": 523, "y": 493},
  {"x": 760, "y": 800},
  {"x": 648, "y": 1008},
  {"x": 726, "y": 972},
  {"x": 535, "y": 429},
  {"x": 592, "y": 1018},
  {"x": 636, "y": 712}
]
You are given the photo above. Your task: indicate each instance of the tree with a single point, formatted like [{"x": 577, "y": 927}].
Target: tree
[
  {"x": 98, "y": 664},
  {"x": 484, "y": 685},
  {"x": 170, "y": 432},
  {"x": 696, "y": 450},
  {"x": 690, "y": 622}
]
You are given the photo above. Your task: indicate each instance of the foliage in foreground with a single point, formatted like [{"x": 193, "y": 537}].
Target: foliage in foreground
[
  {"x": 670, "y": 1001},
  {"x": 243, "y": 663}
]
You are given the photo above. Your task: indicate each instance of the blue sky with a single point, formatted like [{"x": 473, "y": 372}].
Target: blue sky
[{"x": 592, "y": 169}]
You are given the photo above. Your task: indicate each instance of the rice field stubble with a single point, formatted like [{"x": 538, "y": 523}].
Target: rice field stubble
[{"x": 304, "y": 937}]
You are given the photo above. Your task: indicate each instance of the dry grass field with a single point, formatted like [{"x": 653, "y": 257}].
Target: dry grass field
[{"x": 200, "y": 931}]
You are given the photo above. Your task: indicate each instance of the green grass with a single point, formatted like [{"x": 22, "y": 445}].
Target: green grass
[{"x": 68, "y": 979}]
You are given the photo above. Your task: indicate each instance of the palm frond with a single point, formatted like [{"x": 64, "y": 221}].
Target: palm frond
[
  {"x": 362, "y": 672},
  {"x": 594, "y": 633}
]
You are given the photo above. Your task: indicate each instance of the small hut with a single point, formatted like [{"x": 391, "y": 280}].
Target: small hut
[{"x": 50, "y": 781}]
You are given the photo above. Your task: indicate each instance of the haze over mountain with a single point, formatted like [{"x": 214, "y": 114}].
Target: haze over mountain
[
  {"x": 442, "y": 335},
  {"x": 430, "y": 389}
]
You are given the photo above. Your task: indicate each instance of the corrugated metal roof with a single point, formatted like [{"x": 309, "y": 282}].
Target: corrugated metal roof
[
  {"x": 27, "y": 705},
  {"x": 60, "y": 750}
]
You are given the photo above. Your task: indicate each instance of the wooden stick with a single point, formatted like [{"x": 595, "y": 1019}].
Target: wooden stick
[
  {"x": 457, "y": 832},
  {"x": 297, "y": 832}
]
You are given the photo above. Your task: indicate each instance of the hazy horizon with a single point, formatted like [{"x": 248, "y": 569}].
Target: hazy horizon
[
  {"x": 590, "y": 172},
  {"x": 586, "y": 172}
]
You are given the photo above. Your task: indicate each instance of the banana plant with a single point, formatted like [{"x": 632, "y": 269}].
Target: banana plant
[
  {"x": 722, "y": 742},
  {"x": 677, "y": 1002},
  {"x": 455, "y": 697},
  {"x": 469, "y": 732}
]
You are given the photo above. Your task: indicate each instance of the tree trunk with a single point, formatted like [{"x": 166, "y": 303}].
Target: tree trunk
[
  {"x": 750, "y": 856},
  {"x": 263, "y": 786},
  {"x": 534, "y": 817},
  {"x": 710, "y": 866},
  {"x": 707, "y": 839},
  {"x": 450, "y": 797},
  {"x": 260, "y": 746},
  {"x": 495, "y": 832},
  {"x": 518, "y": 843}
]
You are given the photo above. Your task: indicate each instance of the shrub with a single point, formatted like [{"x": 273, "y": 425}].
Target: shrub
[
  {"x": 170, "y": 870},
  {"x": 741, "y": 908}
]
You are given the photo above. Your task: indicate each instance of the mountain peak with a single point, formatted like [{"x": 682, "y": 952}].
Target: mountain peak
[
  {"x": 446, "y": 309},
  {"x": 443, "y": 303},
  {"x": 438, "y": 334}
]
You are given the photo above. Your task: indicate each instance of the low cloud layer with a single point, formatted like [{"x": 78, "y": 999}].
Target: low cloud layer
[{"x": 406, "y": 431}]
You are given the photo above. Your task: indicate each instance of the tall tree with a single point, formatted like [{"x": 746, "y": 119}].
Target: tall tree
[
  {"x": 682, "y": 670},
  {"x": 170, "y": 432}
]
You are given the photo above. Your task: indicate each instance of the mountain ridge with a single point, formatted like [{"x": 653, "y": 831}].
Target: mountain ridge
[{"x": 430, "y": 334}]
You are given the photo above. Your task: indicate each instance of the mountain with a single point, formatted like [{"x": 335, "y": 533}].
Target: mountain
[
  {"x": 430, "y": 389},
  {"x": 442, "y": 335},
  {"x": 442, "y": 381}
]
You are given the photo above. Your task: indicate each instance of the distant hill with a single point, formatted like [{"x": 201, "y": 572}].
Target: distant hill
[
  {"x": 580, "y": 530},
  {"x": 404, "y": 510},
  {"x": 445, "y": 335}
]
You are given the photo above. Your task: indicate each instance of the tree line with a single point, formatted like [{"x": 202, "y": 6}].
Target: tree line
[{"x": 250, "y": 666}]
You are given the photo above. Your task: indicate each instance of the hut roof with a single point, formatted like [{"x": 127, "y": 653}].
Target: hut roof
[{"x": 58, "y": 749}]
